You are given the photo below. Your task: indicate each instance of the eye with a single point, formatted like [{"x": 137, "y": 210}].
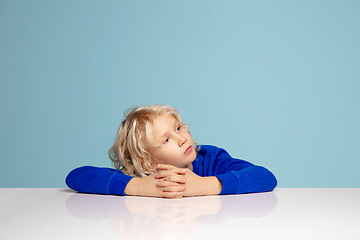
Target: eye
[
  {"x": 178, "y": 128},
  {"x": 166, "y": 140}
]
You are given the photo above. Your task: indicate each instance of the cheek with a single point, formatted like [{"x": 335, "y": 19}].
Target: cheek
[
  {"x": 189, "y": 136},
  {"x": 163, "y": 154},
  {"x": 171, "y": 158},
  {"x": 193, "y": 156},
  {"x": 157, "y": 154}
]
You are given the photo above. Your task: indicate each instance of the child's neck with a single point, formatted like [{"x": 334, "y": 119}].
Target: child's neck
[{"x": 189, "y": 166}]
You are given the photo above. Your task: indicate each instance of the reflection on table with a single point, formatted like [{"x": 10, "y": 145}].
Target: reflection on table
[{"x": 157, "y": 218}]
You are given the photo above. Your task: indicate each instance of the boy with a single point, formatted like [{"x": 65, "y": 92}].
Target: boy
[{"x": 155, "y": 155}]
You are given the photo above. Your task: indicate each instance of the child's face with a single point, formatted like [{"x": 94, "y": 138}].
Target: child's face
[{"x": 177, "y": 146}]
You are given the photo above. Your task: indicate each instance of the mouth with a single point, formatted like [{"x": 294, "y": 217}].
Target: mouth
[{"x": 188, "y": 150}]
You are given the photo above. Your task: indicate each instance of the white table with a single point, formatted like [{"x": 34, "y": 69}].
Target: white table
[{"x": 286, "y": 213}]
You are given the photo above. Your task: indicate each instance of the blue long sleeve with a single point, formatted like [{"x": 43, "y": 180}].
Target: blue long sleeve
[
  {"x": 236, "y": 175},
  {"x": 252, "y": 179},
  {"x": 88, "y": 179}
]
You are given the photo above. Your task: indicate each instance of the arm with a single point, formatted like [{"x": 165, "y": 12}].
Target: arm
[
  {"x": 201, "y": 186},
  {"x": 219, "y": 173},
  {"x": 239, "y": 176},
  {"x": 252, "y": 179},
  {"x": 88, "y": 179}
]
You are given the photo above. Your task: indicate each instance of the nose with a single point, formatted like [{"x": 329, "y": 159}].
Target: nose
[{"x": 182, "y": 141}]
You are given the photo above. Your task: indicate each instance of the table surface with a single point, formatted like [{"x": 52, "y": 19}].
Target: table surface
[{"x": 285, "y": 213}]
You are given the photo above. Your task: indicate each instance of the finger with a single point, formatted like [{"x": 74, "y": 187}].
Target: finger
[
  {"x": 164, "y": 166},
  {"x": 172, "y": 194},
  {"x": 175, "y": 178},
  {"x": 168, "y": 183},
  {"x": 161, "y": 174},
  {"x": 171, "y": 171},
  {"x": 171, "y": 167},
  {"x": 178, "y": 170},
  {"x": 173, "y": 188}
]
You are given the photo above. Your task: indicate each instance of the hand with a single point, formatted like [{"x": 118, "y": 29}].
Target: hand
[
  {"x": 171, "y": 180},
  {"x": 194, "y": 185},
  {"x": 147, "y": 187}
]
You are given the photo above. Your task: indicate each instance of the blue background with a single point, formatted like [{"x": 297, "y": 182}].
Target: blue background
[{"x": 273, "y": 82}]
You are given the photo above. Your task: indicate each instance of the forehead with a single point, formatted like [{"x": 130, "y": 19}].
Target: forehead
[
  {"x": 163, "y": 119},
  {"x": 163, "y": 123}
]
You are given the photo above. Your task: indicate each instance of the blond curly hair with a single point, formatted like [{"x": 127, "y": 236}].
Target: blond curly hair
[{"x": 131, "y": 150}]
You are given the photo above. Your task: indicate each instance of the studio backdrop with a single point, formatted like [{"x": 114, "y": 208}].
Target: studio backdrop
[{"x": 275, "y": 83}]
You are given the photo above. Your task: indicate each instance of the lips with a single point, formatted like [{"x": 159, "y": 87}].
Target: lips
[{"x": 188, "y": 150}]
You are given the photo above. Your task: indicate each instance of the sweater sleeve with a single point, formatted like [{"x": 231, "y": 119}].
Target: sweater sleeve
[
  {"x": 88, "y": 179},
  {"x": 239, "y": 176}
]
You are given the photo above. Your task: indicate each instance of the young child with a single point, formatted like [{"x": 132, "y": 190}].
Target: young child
[{"x": 155, "y": 155}]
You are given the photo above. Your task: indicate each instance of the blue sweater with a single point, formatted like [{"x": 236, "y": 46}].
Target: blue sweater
[{"x": 236, "y": 175}]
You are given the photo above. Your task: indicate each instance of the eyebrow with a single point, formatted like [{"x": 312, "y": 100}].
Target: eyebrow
[{"x": 175, "y": 123}]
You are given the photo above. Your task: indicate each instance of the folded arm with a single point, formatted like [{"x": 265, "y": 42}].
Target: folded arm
[
  {"x": 97, "y": 180},
  {"x": 89, "y": 179}
]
